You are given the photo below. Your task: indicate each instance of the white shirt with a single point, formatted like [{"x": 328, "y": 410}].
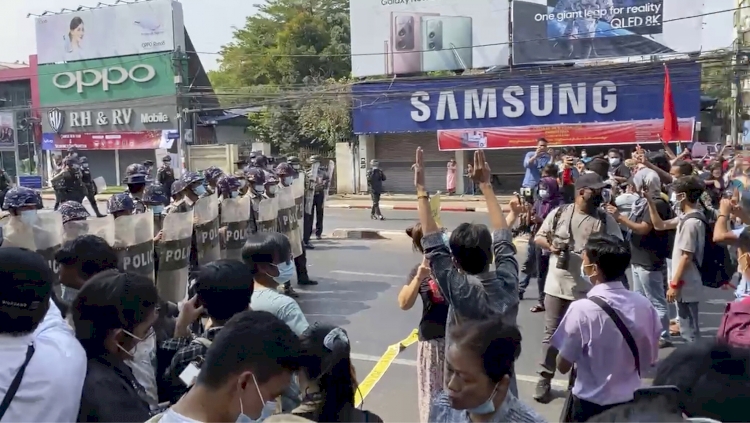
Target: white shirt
[{"x": 51, "y": 387}]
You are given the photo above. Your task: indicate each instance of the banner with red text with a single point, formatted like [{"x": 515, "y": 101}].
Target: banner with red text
[
  {"x": 604, "y": 133},
  {"x": 136, "y": 140}
]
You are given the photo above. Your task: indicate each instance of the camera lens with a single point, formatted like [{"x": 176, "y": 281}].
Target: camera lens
[
  {"x": 401, "y": 33},
  {"x": 431, "y": 46},
  {"x": 431, "y": 35},
  {"x": 401, "y": 45}
]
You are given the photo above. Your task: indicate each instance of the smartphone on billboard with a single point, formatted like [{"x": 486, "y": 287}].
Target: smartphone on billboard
[
  {"x": 446, "y": 43},
  {"x": 473, "y": 140},
  {"x": 406, "y": 42}
]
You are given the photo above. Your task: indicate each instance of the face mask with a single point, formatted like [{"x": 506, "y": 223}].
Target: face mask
[
  {"x": 543, "y": 193},
  {"x": 199, "y": 190},
  {"x": 131, "y": 352},
  {"x": 260, "y": 189},
  {"x": 273, "y": 189},
  {"x": 614, "y": 161},
  {"x": 76, "y": 167},
  {"x": 234, "y": 194},
  {"x": 28, "y": 217},
  {"x": 584, "y": 276},
  {"x": 269, "y": 407},
  {"x": 487, "y": 407},
  {"x": 296, "y": 167},
  {"x": 594, "y": 201},
  {"x": 584, "y": 155},
  {"x": 286, "y": 272},
  {"x": 288, "y": 180},
  {"x": 157, "y": 209}
]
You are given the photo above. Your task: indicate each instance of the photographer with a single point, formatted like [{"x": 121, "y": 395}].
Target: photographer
[{"x": 564, "y": 233}]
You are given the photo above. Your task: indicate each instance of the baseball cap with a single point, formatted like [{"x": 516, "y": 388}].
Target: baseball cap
[
  {"x": 591, "y": 181},
  {"x": 27, "y": 280}
]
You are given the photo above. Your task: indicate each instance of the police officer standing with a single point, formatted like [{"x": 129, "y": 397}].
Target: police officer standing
[
  {"x": 375, "y": 178},
  {"x": 135, "y": 178},
  {"x": 71, "y": 181},
  {"x": 165, "y": 175},
  {"x": 317, "y": 178},
  {"x": 89, "y": 184},
  {"x": 149, "y": 166},
  {"x": 5, "y": 184}
]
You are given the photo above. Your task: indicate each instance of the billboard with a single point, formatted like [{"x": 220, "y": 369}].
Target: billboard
[
  {"x": 113, "y": 31},
  {"x": 574, "y": 96},
  {"x": 103, "y": 80},
  {"x": 572, "y": 30},
  {"x": 136, "y": 140},
  {"x": 7, "y": 129},
  {"x": 126, "y": 116},
  {"x": 607, "y": 133},
  {"x": 403, "y": 37}
]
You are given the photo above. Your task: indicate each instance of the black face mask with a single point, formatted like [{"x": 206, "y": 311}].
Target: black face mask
[{"x": 594, "y": 201}]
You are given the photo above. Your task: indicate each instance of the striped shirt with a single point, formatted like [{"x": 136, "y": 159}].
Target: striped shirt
[{"x": 512, "y": 410}]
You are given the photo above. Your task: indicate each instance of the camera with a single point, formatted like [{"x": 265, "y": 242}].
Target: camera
[{"x": 563, "y": 258}]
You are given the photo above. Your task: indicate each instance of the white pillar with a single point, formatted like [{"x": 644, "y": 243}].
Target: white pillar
[
  {"x": 460, "y": 168},
  {"x": 366, "y": 153},
  {"x": 118, "y": 180}
]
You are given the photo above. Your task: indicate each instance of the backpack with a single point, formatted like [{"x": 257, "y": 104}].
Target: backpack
[
  {"x": 717, "y": 267},
  {"x": 735, "y": 325}
]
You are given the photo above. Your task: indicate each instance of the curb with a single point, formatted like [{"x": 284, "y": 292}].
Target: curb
[
  {"x": 367, "y": 234},
  {"x": 410, "y": 208}
]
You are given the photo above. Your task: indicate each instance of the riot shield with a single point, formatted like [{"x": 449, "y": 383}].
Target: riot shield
[
  {"x": 310, "y": 182},
  {"x": 331, "y": 169},
  {"x": 206, "y": 212},
  {"x": 100, "y": 185},
  {"x": 235, "y": 213},
  {"x": 268, "y": 211},
  {"x": 103, "y": 227},
  {"x": 48, "y": 231},
  {"x": 134, "y": 241},
  {"x": 298, "y": 188},
  {"x": 174, "y": 256},
  {"x": 287, "y": 219}
]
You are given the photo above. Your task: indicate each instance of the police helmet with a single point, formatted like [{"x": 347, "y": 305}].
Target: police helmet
[
  {"x": 190, "y": 178},
  {"x": 148, "y": 163},
  {"x": 271, "y": 178},
  {"x": 315, "y": 158},
  {"x": 20, "y": 197},
  {"x": 72, "y": 210},
  {"x": 120, "y": 203},
  {"x": 178, "y": 186},
  {"x": 83, "y": 160},
  {"x": 256, "y": 176},
  {"x": 212, "y": 172},
  {"x": 71, "y": 161},
  {"x": 227, "y": 184},
  {"x": 166, "y": 159},
  {"x": 155, "y": 194},
  {"x": 260, "y": 161},
  {"x": 285, "y": 169}
]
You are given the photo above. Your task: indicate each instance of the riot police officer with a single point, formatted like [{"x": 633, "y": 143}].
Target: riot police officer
[
  {"x": 294, "y": 163},
  {"x": 135, "y": 178},
  {"x": 120, "y": 205},
  {"x": 5, "y": 184},
  {"x": 228, "y": 186},
  {"x": 165, "y": 175},
  {"x": 70, "y": 181},
  {"x": 178, "y": 195},
  {"x": 149, "y": 166},
  {"x": 194, "y": 186},
  {"x": 316, "y": 187},
  {"x": 154, "y": 197},
  {"x": 211, "y": 176},
  {"x": 286, "y": 176},
  {"x": 272, "y": 183},
  {"x": 256, "y": 181},
  {"x": 88, "y": 182},
  {"x": 72, "y": 211}
]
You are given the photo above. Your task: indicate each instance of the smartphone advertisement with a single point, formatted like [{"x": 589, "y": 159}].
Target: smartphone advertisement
[
  {"x": 392, "y": 37},
  {"x": 574, "y": 30}
]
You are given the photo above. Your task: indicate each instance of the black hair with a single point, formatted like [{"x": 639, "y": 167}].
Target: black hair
[
  {"x": 224, "y": 288},
  {"x": 75, "y": 23},
  {"x": 255, "y": 341},
  {"x": 330, "y": 368},
  {"x": 698, "y": 165},
  {"x": 599, "y": 166},
  {"x": 616, "y": 151},
  {"x": 542, "y": 139},
  {"x": 136, "y": 188},
  {"x": 551, "y": 170},
  {"x": 111, "y": 300},
  {"x": 25, "y": 290},
  {"x": 657, "y": 409},
  {"x": 265, "y": 248},
  {"x": 686, "y": 168},
  {"x": 415, "y": 233},
  {"x": 609, "y": 253},
  {"x": 691, "y": 186},
  {"x": 496, "y": 343},
  {"x": 713, "y": 378},
  {"x": 471, "y": 247},
  {"x": 659, "y": 160},
  {"x": 88, "y": 254}
]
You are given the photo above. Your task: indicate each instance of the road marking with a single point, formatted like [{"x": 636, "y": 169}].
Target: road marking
[{"x": 377, "y": 275}]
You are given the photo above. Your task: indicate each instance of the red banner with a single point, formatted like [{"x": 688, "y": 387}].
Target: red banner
[
  {"x": 140, "y": 140},
  {"x": 602, "y": 133}
]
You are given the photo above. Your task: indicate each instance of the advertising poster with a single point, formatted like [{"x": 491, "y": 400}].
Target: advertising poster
[
  {"x": 7, "y": 129},
  {"x": 573, "y": 30},
  {"x": 111, "y": 31},
  {"x": 606, "y": 133},
  {"x": 140, "y": 140},
  {"x": 391, "y": 37}
]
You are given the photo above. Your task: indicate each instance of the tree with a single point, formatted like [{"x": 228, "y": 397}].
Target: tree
[{"x": 325, "y": 117}]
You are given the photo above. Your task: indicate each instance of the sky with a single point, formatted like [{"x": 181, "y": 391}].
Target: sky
[{"x": 209, "y": 22}]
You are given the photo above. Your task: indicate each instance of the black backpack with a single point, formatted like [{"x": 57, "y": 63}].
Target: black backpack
[{"x": 717, "y": 267}]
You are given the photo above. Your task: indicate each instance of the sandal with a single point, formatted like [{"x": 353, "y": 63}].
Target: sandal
[{"x": 537, "y": 308}]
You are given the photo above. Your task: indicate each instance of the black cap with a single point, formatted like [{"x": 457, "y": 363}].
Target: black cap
[
  {"x": 591, "y": 181},
  {"x": 166, "y": 159},
  {"x": 27, "y": 280}
]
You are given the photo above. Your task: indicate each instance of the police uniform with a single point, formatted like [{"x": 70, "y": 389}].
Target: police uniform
[
  {"x": 165, "y": 176},
  {"x": 72, "y": 186},
  {"x": 88, "y": 182}
]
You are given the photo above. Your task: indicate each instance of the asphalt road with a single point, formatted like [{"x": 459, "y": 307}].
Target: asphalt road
[{"x": 359, "y": 283}]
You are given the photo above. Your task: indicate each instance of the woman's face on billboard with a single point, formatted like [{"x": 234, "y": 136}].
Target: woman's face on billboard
[{"x": 77, "y": 33}]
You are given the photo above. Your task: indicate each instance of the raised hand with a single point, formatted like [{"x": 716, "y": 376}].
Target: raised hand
[
  {"x": 481, "y": 172},
  {"x": 418, "y": 168}
]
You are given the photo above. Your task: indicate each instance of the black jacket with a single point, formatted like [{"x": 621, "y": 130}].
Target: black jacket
[
  {"x": 111, "y": 393},
  {"x": 375, "y": 178}
]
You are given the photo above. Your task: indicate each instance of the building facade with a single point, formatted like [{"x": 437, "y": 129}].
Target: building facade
[{"x": 19, "y": 130}]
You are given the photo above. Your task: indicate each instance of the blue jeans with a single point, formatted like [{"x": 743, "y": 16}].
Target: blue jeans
[
  {"x": 529, "y": 267},
  {"x": 650, "y": 284},
  {"x": 689, "y": 326}
]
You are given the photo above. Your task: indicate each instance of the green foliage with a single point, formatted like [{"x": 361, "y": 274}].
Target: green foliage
[
  {"x": 278, "y": 60},
  {"x": 325, "y": 117}
]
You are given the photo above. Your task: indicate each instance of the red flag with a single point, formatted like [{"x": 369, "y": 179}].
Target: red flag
[{"x": 670, "y": 131}]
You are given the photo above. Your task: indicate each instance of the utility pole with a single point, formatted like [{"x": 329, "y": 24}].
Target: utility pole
[{"x": 736, "y": 93}]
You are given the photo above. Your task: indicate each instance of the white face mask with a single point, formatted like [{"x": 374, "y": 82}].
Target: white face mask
[
  {"x": 28, "y": 217},
  {"x": 273, "y": 189},
  {"x": 234, "y": 194},
  {"x": 288, "y": 180},
  {"x": 614, "y": 161},
  {"x": 269, "y": 408}
]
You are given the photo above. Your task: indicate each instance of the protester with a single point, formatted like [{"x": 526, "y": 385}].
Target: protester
[
  {"x": 739, "y": 238},
  {"x": 326, "y": 378},
  {"x": 611, "y": 336},
  {"x": 80, "y": 259},
  {"x": 44, "y": 366},
  {"x": 617, "y": 167},
  {"x": 431, "y": 344},
  {"x": 113, "y": 313},
  {"x": 249, "y": 364},
  {"x": 481, "y": 355}
]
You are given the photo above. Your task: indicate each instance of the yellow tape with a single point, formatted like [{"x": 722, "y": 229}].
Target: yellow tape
[{"x": 382, "y": 366}]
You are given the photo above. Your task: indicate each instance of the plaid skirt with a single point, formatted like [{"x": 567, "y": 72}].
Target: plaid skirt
[{"x": 430, "y": 374}]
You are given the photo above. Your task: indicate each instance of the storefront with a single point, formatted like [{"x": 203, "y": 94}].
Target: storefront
[
  {"x": 117, "y": 111},
  {"x": 505, "y": 114}
]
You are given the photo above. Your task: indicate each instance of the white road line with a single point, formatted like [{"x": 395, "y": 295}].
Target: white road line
[{"x": 378, "y": 275}]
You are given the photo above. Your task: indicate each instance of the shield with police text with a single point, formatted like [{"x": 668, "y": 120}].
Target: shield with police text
[
  {"x": 134, "y": 242},
  {"x": 173, "y": 251},
  {"x": 298, "y": 188},
  {"x": 287, "y": 219},
  {"x": 268, "y": 211},
  {"x": 310, "y": 181},
  {"x": 103, "y": 227},
  {"x": 48, "y": 236},
  {"x": 235, "y": 215},
  {"x": 206, "y": 212}
]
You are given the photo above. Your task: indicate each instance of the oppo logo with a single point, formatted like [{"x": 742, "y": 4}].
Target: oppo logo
[
  {"x": 103, "y": 78},
  {"x": 154, "y": 118}
]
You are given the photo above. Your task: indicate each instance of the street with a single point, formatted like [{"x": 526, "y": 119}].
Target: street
[{"x": 359, "y": 284}]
